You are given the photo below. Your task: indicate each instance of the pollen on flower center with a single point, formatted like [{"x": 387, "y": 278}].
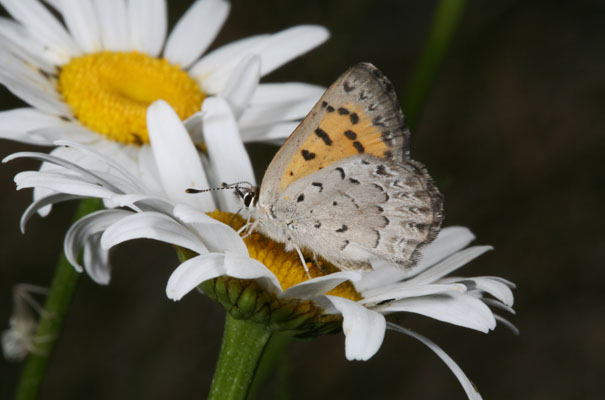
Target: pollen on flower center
[
  {"x": 109, "y": 92},
  {"x": 285, "y": 265}
]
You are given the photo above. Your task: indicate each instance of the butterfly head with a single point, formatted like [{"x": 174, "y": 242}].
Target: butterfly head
[{"x": 248, "y": 195}]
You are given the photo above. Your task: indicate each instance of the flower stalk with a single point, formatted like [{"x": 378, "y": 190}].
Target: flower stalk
[
  {"x": 57, "y": 303},
  {"x": 244, "y": 342},
  {"x": 446, "y": 19}
]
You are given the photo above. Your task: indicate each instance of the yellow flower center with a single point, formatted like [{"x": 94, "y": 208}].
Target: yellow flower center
[
  {"x": 109, "y": 92},
  {"x": 285, "y": 265}
]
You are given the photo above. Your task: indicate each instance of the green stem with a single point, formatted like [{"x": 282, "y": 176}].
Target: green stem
[
  {"x": 243, "y": 345},
  {"x": 274, "y": 355},
  {"x": 445, "y": 22},
  {"x": 55, "y": 308}
]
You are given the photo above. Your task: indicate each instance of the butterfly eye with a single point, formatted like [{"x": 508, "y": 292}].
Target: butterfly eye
[{"x": 248, "y": 197}]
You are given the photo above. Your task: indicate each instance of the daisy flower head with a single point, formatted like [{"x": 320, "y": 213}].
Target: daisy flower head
[
  {"x": 90, "y": 75},
  {"x": 255, "y": 279}
]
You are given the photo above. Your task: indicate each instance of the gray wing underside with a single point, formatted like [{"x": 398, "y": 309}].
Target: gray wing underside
[{"x": 363, "y": 208}]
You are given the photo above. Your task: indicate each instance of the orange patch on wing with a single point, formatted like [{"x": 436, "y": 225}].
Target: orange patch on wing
[{"x": 343, "y": 131}]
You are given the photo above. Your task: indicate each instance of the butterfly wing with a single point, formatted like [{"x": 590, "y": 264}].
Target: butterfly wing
[
  {"x": 361, "y": 209},
  {"x": 358, "y": 114}
]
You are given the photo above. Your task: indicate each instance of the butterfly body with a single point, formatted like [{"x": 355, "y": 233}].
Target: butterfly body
[{"x": 343, "y": 185}]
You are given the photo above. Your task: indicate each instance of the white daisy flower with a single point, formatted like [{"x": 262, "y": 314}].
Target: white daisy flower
[
  {"x": 90, "y": 77},
  {"x": 271, "y": 286}
]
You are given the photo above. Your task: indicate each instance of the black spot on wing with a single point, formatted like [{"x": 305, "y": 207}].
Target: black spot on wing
[
  {"x": 347, "y": 87},
  {"x": 342, "y": 229},
  {"x": 307, "y": 155},
  {"x": 300, "y": 198},
  {"x": 354, "y": 118},
  {"x": 346, "y": 243},
  {"x": 323, "y": 136},
  {"x": 342, "y": 172},
  {"x": 343, "y": 111},
  {"x": 319, "y": 185},
  {"x": 330, "y": 109},
  {"x": 377, "y": 238},
  {"x": 381, "y": 170},
  {"x": 358, "y": 146},
  {"x": 354, "y": 181},
  {"x": 350, "y": 134}
]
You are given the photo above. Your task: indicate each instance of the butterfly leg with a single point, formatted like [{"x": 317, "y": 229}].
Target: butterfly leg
[
  {"x": 247, "y": 227},
  {"x": 302, "y": 259},
  {"x": 250, "y": 229},
  {"x": 317, "y": 264}
]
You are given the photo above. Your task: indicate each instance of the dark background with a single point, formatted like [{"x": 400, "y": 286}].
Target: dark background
[{"x": 512, "y": 132}]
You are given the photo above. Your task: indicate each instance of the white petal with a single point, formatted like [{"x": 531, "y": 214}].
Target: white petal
[
  {"x": 243, "y": 267},
  {"x": 448, "y": 265},
  {"x": 80, "y": 232},
  {"x": 16, "y": 123},
  {"x": 280, "y": 102},
  {"x": 113, "y": 20},
  {"x": 113, "y": 170},
  {"x": 148, "y": 172},
  {"x": 72, "y": 171},
  {"x": 195, "y": 31},
  {"x": 40, "y": 193},
  {"x": 496, "y": 288},
  {"x": 454, "y": 308},
  {"x": 229, "y": 160},
  {"x": 316, "y": 286},
  {"x": 497, "y": 304},
  {"x": 364, "y": 329},
  {"x": 274, "y": 52},
  {"x": 193, "y": 124},
  {"x": 396, "y": 292},
  {"x": 60, "y": 182},
  {"x": 241, "y": 86},
  {"x": 508, "y": 324},
  {"x": 72, "y": 131},
  {"x": 177, "y": 159},
  {"x": 217, "y": 237},
  {"x": 41, "y": 203},
  {"x": 81, "y": 20},
  {"x": 467, "y": 385},
  {"x": 148, "y": 20},
  {"x": 151, "y": 225},
  {"x": 289, "y": 44},
  {"x": 30, "y": 86},
  {"x": 19, "y": 41},
  {"x": 199, "y": 269},
  {"x": 193, "y": 272},
  {"x": 226, "y": 56},
  {"x": 38, "y": 20},
  {"x": 449, "y": 241},
  {"x": 96, "y": 260},
  {"x": 266, "y": 133}
]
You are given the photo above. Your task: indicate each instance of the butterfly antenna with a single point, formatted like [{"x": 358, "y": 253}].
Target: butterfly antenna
[{"x": 224, "y": 186}]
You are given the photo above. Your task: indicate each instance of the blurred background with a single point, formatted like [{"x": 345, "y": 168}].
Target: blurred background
[{"x": 513, "y": 132}]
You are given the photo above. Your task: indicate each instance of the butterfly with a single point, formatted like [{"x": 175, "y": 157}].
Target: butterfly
[{"x": 343, "y": 185}]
